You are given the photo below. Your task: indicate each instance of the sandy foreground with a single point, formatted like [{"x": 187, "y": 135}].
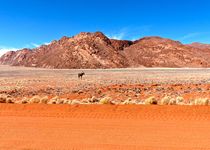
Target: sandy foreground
[{"x": 104, "y": 127}]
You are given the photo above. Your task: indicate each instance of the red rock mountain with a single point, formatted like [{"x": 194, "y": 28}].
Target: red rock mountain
[
  {"x": 200, "y": 45},
  {"x": 161, "y": 52},
  {"x": 95, "y": 50}
]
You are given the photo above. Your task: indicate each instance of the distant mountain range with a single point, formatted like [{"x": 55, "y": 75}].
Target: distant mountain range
[{"x": 95, "y": 50}]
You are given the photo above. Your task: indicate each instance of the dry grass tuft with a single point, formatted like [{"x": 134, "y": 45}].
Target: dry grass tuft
[
  {"x": 44, "y": 100},
  {"x": 151, "y": 101},
  {"x": 53, "y": 100},
  {"x": 180, "y": 100},
  {"x": 172, "y": 101},
  {"x": 167, "y": 100},
  {"x": 3, "y": 98},
  {"x": 24, "y": 100},
  {"x": 35, "y": 100},
  {"x": 6, "y": 98},
  {"x": 69, "y": 102},
  {"x": 66, "y": 101},
  {"x": 75, "y": 102},
  {"x": 105, "y": 100},
  {"x": 94, "y": 100},
  {"x": 128, "y": 102},
  {"x": 59, "y": 101},
  {"x": 9, "y": 100},
  {"x": 201, "y": 101},
  {"x": 86, "y": 101}
]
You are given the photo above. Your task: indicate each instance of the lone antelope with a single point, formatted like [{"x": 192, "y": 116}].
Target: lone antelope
[{"x": 80, "y": 75}]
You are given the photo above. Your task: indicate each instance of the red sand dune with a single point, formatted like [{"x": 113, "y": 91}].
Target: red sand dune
[{"x": 64, "y": 127}]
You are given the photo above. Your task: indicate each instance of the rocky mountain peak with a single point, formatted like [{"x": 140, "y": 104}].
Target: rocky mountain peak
[{"x": 95, "y": 50}]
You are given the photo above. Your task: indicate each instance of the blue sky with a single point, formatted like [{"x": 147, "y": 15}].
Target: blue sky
[{"x": 27, "y": 23}]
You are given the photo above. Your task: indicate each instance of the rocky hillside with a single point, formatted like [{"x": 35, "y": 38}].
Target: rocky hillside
[
  {"x": 160, "y": 52},
  {"x": 200, "y": 45},
  {"x": 85, "y": 50},
  {"x": 95, "y": 50}
]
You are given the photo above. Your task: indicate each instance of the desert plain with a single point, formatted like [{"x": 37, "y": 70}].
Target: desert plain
[{"x": 73, "y": 116}]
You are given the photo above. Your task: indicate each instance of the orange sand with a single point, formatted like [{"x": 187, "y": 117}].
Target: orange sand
[{"x": 84, "y": 127}]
